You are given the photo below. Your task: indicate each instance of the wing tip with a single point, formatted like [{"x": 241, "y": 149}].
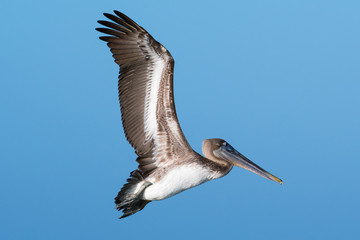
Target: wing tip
[
  {"x": 102, "y": 30},
  {"x": 103, "y": 38},
  {"x": 107, "y": 15},
  {"x": 120, "y": 14}
]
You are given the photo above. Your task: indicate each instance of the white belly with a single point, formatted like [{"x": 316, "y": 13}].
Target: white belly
[{"x": 176, "y": 181}]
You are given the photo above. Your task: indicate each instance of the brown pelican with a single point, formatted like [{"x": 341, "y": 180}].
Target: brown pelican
[{"x": 167, "y": 163}]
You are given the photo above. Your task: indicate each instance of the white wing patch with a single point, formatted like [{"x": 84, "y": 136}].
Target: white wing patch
[{"x": 152, "y": 92}]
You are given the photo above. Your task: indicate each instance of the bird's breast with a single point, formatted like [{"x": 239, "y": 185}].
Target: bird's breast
[{"x": 177, "y": 180}]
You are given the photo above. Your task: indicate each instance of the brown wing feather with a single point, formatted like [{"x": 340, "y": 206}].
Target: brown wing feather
[
  {"x": 124, "y": 44},
  {"x": 136, "y": 52}
]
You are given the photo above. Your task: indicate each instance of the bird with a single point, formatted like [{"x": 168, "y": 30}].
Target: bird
[{"x": 167, "y": 165}]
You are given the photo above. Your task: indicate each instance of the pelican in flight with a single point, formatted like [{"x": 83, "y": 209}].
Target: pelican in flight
[{"x": 167, "y": 163}]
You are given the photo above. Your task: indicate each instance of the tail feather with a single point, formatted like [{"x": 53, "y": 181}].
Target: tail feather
[
  {"x": 129, "y": 198},
  {"x": 133, "y": 207}
]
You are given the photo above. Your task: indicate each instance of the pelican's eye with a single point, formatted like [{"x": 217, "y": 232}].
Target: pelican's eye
[{"x": 228, "y": 147}]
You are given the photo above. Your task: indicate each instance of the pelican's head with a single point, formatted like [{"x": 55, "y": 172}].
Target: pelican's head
[{"x": 219, "y": 150}]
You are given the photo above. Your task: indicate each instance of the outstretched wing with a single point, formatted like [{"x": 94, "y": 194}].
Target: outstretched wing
[{"x": 145, "y": 92}]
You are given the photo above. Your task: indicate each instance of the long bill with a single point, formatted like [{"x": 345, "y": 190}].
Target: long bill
[{"x": 227, "y": 152}]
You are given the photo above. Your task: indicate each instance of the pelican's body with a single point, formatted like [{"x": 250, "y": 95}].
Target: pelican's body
[
  {"x": 167, "y": 163},
  {"x": 193, "y": 171}
]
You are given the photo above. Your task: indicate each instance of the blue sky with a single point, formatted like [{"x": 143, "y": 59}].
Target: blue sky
[{"x": 279, "y": 80}]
